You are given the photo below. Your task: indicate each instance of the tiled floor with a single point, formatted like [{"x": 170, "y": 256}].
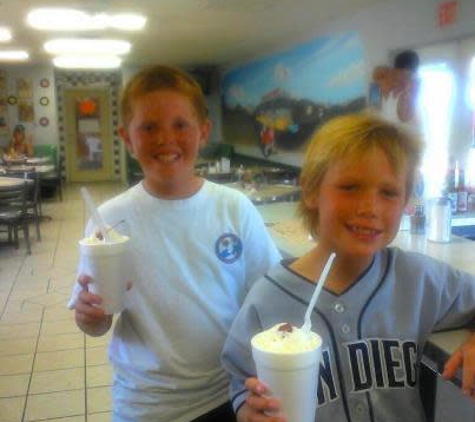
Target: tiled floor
[{"x": 49, "y": 370}]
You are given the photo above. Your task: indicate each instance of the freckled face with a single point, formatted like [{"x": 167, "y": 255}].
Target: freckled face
[
  {"x": 360, "y": 204},
  {"x": 165, "y": 134}
]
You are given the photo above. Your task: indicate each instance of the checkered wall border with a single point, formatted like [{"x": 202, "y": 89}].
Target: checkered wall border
[{"x": 84, "y": 79}]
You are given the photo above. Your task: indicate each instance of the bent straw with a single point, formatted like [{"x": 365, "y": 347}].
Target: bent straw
[
  {"x": 307, "y": 325},
  {"x": 96, "y": 217}
]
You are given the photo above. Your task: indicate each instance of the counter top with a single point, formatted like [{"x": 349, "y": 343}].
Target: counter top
[
  {"x": 267, "y": 192},
  {"x": 293, "y": 240}
]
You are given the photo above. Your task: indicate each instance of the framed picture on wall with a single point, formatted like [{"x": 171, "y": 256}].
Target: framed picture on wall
[
  {"x": 26, "y": 112},
  {"x": 23, "y": 88}
]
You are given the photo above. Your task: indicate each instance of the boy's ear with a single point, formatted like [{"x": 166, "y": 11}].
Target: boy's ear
[
  {"x": 205, "y": 131},
  {"x": 124, "y": 134},
  {"x": 309, "y": 197},
  {"x": 311, "y": 201}
]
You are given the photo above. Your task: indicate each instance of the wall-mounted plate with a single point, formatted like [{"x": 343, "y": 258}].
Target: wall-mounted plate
[
  {"x": 44, "y": 101},
  {"x": 44, "y": 121},
  {"x": 12, "y": 100}
]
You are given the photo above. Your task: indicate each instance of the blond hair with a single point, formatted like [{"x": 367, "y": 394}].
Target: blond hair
[
  {"x": 161, "y": 77},
  {"x": 352, "y": 136}
]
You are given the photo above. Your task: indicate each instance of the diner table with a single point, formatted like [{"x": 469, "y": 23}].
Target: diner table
[
  {"x": 14, "y": 160},
  {"x": 8, "y": 182},
  {"x": 35, "y": 172},
  {"x": 42, "y": 169},
  {"x": 267, "y": 193},
  {"x": 37, "y": 161}
]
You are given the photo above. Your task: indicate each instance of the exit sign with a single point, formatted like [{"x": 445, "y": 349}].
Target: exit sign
[{"x": 447, "y": 13}]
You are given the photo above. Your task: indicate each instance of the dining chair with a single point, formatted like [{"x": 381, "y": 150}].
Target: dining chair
[
  {"x": 53, "y": 179},
  {"x": 13, "y": 213},
  {"x": 33, "y": 203}
]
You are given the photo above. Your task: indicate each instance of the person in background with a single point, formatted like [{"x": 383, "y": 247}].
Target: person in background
[
  {"x": 379, "y": 304},
  {"x": 20, "y": 146},
  {"x": 406, "y": 64},
  {"x": 398, "y": 89},
  {"x": 196, "y": 246}
]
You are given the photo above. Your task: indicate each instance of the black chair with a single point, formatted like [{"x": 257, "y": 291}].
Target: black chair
[
  {"x": 33, "y": 204},
  {"x": 13, "y": 213},
  {"x": 53, "y": 180}
]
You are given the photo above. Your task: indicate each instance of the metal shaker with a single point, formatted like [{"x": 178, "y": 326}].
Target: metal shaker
[{"x": 440, "y": 220}]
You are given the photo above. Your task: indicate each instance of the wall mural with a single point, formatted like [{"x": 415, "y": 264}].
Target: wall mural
[{"x": 272, "y": 106}]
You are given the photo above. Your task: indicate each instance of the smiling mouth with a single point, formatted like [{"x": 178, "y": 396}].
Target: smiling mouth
[
  {"x": 364, "y": 231},
  {"x": 167, "y": 157}
]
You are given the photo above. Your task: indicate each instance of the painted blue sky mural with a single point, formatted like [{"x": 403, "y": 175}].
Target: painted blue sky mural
[{"x": 326, "y": 70}]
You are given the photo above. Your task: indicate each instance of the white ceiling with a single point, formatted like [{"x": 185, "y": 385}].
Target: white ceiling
[{"x": 190, "y": 32}]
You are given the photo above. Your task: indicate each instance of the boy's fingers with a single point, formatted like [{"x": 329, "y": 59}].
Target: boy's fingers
[
  {"x": 454, "y": 362},
  {"x": 256, "y": 386},
  {"x": 84, "y": 280},
  {"x": 468, "y": 374},
  {"x": 262, "y": 404},
  {"x": 90, "y": 298}
]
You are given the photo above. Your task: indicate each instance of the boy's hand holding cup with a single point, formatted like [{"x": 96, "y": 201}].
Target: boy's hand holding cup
[
  {"x": 104, "y": 261},
  {"x": 287, "y": 360}
]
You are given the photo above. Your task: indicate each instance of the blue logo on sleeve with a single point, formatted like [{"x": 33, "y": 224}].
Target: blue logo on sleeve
[{"x": 228, "y": 248}]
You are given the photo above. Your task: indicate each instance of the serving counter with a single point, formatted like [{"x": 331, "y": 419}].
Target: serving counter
[{"x": 292, "y": 240}]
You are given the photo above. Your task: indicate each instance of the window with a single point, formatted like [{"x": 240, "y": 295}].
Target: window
[{"x": 436, "y": 104}]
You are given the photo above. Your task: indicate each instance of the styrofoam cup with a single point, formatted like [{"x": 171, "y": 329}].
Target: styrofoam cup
[
  {"x": 292, "y": 378},
  {"x": 105, "y": 263}
]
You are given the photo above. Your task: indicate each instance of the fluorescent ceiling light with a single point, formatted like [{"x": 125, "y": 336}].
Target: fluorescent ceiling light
[
  {"x": 5, "y": 34},
  {"x": 77, "y": 62},
  {"x": 60, "y": 19},
  {"x": 63, "y": 20},
  {"x": 126, "y": 21},
  {"x": 77, "y": 46},
  {"x": 13, "y": 55}
]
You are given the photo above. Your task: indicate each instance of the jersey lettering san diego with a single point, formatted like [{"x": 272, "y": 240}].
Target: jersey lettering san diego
[{"x": 369, "y": 364}]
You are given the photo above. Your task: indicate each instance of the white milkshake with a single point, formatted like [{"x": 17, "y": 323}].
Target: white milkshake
[
  {"x": 105, "y": 262},
  {"x": 287, "y": 360}
]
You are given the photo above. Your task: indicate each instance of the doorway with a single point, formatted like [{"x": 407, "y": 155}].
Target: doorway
[{"x": 88, "y": 127}]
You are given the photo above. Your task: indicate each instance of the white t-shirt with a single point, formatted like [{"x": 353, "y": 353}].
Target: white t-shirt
[{"x": 192, "y": 263}]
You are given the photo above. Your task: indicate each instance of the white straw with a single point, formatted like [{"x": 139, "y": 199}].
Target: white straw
[
  {"x": 307, "y": 324},
  {"x": 96, "y": 217}
]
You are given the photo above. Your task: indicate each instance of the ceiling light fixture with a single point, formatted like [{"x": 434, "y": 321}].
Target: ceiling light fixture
[
  {"x": 81, "y": 46},
  {"x": 5, "y": 34},
  {"x": 60, "y": 19},
  {"x": 126, "y": 21},
  {"x": 57, "y": 19},
  {"x": 78, "y": 62},
  {"x": 13, "y": 55}
]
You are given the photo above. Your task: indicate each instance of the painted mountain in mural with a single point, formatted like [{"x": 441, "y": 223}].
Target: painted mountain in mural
[
  {"x": 287, "y": 122},
  {"x": 283, "y": 123},
  {"x": 272, "y": 106}
]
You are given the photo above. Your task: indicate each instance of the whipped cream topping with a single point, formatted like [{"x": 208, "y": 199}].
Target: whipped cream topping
[{"x": 286, "y": 338}]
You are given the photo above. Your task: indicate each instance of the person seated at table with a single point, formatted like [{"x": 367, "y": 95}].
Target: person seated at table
[{"x": 20, "y": 145}]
